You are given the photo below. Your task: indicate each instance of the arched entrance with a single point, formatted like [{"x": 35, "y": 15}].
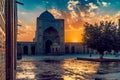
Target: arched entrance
[
  {"x": 50, "y": 35},
  {"x": 73, "y": 49},
  {"x": 33, "y": 50},
  {"x": 25, "y": 50},
  {"x": 48, "y": 43},
  {"x": 66, "y": 49}
]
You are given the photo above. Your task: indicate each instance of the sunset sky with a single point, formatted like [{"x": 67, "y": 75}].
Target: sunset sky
[{"x": 75, "y": 13}]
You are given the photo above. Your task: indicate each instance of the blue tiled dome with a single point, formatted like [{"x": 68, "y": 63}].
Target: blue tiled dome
[{"x": 46, "y": 15}]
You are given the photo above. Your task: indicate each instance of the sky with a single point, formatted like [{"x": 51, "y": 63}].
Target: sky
[{"x": 74, "y": 12}]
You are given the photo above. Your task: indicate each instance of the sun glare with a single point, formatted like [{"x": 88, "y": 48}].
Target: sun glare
[
  {"x": 75, "y": 41},
  {"x": 73, "y": 36}
]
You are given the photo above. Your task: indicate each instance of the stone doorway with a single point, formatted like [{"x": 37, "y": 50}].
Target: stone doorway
[
  {"x": 33, "y": 50},
  {"x": 67, "y": 50},
  {"x": 73, "y": 49},
  {"x": 48, "y": 44},
  {"x": 25, "y": 50}
]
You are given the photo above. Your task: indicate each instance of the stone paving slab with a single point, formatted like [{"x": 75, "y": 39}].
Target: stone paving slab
[{"x": 66, "y": 69}]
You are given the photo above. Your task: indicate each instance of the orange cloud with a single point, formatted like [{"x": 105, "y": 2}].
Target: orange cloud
[
  {"x": 25, "y": 32},
  {"x": 74, "y": 17}
]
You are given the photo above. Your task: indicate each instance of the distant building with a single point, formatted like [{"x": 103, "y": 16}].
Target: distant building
[{"x": 49, "y": 38}]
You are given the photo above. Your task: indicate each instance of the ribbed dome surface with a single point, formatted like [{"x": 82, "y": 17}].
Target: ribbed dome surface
[{"x": 46, "y": 15}]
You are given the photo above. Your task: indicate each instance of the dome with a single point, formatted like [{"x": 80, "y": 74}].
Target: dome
[{"x": 46, "y": 15}]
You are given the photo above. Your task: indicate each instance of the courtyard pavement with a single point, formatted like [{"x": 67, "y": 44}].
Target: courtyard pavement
[{"x": 67, "y": 67}]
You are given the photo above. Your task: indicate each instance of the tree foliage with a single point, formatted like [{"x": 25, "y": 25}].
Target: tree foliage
[{"x": 102, "y": 37}]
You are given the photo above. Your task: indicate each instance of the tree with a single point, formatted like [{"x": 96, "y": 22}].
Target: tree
[{"x": 102, "y": 37}]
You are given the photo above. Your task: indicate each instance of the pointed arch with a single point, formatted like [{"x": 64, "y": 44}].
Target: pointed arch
[
  {"x": 25, "y": 50},
  {"x": 48, "y": 44}
]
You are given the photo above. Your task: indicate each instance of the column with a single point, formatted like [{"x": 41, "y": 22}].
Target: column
[{"x": 10, "y": 39}]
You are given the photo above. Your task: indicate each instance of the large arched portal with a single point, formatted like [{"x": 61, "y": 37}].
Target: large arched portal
[
  {"x": 50, "y": 35},
  {"x": 48, "y": 43},
  {"x": 25, "y": 50}
]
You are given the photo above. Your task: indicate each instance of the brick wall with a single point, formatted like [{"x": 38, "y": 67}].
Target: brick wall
[
  {"x": 2, "y": 41},
  {"x": 2, "y": 55}
]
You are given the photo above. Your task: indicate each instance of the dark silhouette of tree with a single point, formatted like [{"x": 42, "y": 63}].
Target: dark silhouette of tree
[{"x": 102, "y": 37}]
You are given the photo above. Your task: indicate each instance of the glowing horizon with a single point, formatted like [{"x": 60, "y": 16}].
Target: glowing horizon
[{"x": 74, "y": 12}]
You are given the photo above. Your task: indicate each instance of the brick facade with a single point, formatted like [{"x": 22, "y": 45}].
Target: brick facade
[{"x": 2, "y": 41}]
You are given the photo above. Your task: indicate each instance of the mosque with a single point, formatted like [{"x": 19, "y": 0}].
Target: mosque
[{"x": 49, "y": 39}]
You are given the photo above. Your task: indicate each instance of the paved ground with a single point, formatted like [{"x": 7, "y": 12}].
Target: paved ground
[{"x": 66, "y": 67}]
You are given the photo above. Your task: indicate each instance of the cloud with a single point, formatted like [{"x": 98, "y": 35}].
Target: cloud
[
  {"x": 105, "y": 17},
  {"x": 98, "y": 2},
  {"x": 105, "y": 4},
  {"x": 74, "y": 12},
  {"x": 86, "y": 0},
  {"x": 56, "y": 13},
  {"x": 72, "y": 4},
  {"x": 25, "y": 32},
  {"x": 117, "y": 15},
  {"x": 19, "y": 21},
  {"x": 93, "y": 6},
  {"x": 23, "y": 13}
]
